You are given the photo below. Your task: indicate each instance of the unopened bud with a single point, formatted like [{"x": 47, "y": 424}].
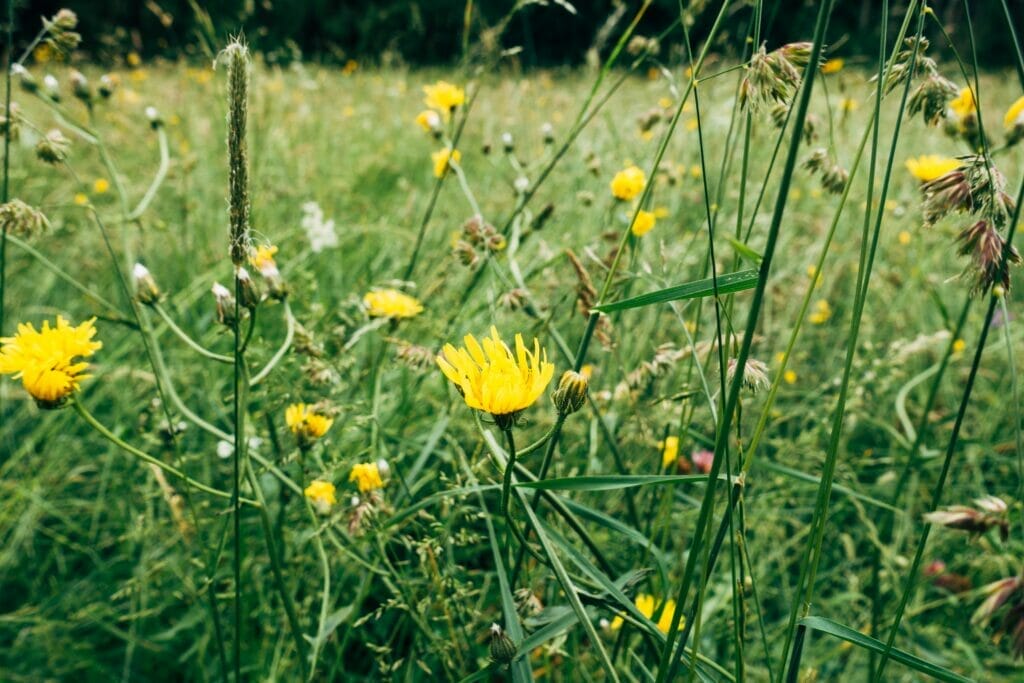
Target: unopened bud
[
  {"x": 384, "y": 469},
  {"x": 571, "y": 393},
  {"x": 225, "y": 304},
  {"x": 155, "y": 120},
  {"x": 249, "y": 294},
  {"x": 52, "y": 86},
  {"x": 547, "y": 132},
  {"x": 28, "y": 81},
  {"x": 107, "y": 86},
  {"x": 502, "y": 649},
  {"x": 506, "y": 142},
  {"x": 146, "y": 290},
  {"x": 80, "y": 86}
]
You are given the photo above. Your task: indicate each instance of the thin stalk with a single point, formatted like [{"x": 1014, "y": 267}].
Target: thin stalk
[{"x": 189, "y": 341}]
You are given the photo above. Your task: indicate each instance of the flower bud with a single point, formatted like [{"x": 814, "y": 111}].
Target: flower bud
[
  {"x": 28, "y": 81},
  {"x": 248, "y": 292},
  {"x": 155, "y": 120},
  {"x": 107, "y": 86},
  {"x": 146, "y": 290},
  {"x": 506, "y": 142},
  {"x": 547, "y": 131},
  {"x": 502, "y": 649},
  {"x": 53, "y": 147},
  {"x": 571, "y": 393},
  {"x": 80, "y": 86},
  {"x": 52, "y": 87},
  {"x": 383, "y": 469},
  {"x": 522, "y": 184},
  {"x": 22, "y": 220},
  {"x": 225, "y": 304}
]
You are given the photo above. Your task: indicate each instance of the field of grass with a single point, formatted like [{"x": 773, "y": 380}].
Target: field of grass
[{"x": 114, "y": 569}]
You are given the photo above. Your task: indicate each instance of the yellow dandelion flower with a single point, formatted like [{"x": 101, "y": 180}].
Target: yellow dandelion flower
[
  {"x": 133, "y": 59},
  {"x": 428, "y": 120},
  {"x": 692, "y": 125},
  {"x": 645, "y": 604},
  {"x": 904, "y": 237},
  {"x": 262, "y": 257},
  {"x": 695, "y": 171},
  {"x": 44, "y": 360},
  {"x": 822, "y": 312},
  {"x": 390, "y": 303},
  {"x": 366, "y": 476},
  {"x": 833, "y": 66},
  {"x": 628, "y": 183},
  {"x": 1014, "y": 115},
  {"x": 305, "y": 423},
  {"x": 322, "y": 495},
  {"x": 81, "y": 198},
  {"x": 848, "y": 105},
  {"x": 780, "y": 356},
  {"x": 643, "y": 223},
  {"x": 101, "y": 186},
  {"x": 443, "y": 96},
  {"x": 959, "y": 345},
  {"x": 964, "y": 105},
  {"x": 928, "y": 167},
  {"x": 647, "y": 135},
  {"x": 441, "y": 158},
  {"x": 789, "y": 377},
  {"x": 665, "y": 102},
  {"x": 348, "y": 111},
  {"x": 669, "y": 451},
  {"x": 495, "y": 380}
]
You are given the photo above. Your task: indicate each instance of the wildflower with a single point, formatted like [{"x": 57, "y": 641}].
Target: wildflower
[
  {"x": 959, "y": 345},
  {"x": 306, "y": 423},
  {"x": 928, "y": 167},
  {"x": 350, "y": 67},
  {"x": 53, "y": 147},
  {"x": 320, "y": 233},
  {"x": 108, "y": 84},
  {"x": 493, "y": 379},
  {"x": 833, "y": 66},
  {"x": 81, "y": 199},
  {"x": 669, "y": 451},
  {"x": 502, "y": 649},
  {"x": 441, "y": 158},
  {"x": 133, "y": 59},
  {"x": 52, "y": 87},
  {"x": 789, "y": 377},
  {"x": 225, "y": 304},
  {"x": 507, "y": 143},
  {"x": 1013, "y": 122},
  {"x": 22, "y": 220},
  {"x": 444, "y": 97},
  {"x": 848, "y": 105},
  {"x": 628, "y": 183},
  {"x": 992, "y": 514},
  {"x": 80, "y": 86},
  {"x": 571, "y": 393},
  {"x": 547, "y": 133},
  {"x": 154, "y": 118},
  {"x": 822, "y": 312},
  {"x": 755, "y": 374},
  {"x": 366, "y": 476},
  {"x": 390, "y": 303},
  {"x": 904, "y": 237},
  {"x": 322, "y": 495},
  {"x": 429, "y": 120},
  {"x": 146, "y": 290},
  {"x": 645, "y": 604},
  {"x": 963, "y": 105},
  {"x": 101, "y": 186},
  {"x": 703, "y": 459},
  {"x": 643, "y": 223},
  {"x": 45, "y": 359}
]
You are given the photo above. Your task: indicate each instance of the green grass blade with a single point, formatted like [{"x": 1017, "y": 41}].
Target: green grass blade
[
  {"x": 727, "y": 284},
  {"x": 610, "y": 482}
]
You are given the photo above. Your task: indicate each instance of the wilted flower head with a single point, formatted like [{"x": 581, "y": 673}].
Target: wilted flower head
[
  {"x": 249, "y": 293},
  {"x": 225, "y": 304},
  {"x": 22, "y": 220},
  {"x": 495, "y": 380},
  {"x": 53, "y": 147},
  {"x": 991, "y": 512},
  {"x": 46, "y": 360},
  {"x": 628, "y": 183},
  {"x": 108, "y": 84},
  {"x": 755, "y": 374},
  {"x": 80, "y": 86},
  {"x": 502, "y": 649},
  {"x": 322, "y": 495}
]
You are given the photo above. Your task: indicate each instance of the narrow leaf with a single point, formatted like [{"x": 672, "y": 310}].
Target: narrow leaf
[{"x": 727, "y": 284}]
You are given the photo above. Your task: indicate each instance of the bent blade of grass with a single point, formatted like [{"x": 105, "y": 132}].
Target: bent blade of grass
[
  {"x": 609, "y": 482},
  {"x": 727, "y": 284}
]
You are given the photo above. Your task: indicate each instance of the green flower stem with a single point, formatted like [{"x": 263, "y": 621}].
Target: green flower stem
[
  {"x": 189, "y": 341},
  {"x": 280, "y": 353},
  {"x": 146, "y": 457},
  {"x": 158, "y": 179}
]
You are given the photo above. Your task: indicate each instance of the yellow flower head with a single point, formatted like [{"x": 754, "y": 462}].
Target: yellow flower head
[
  {"x": 262, "y": 259},
  {"x": 645, "y": 605},
  {"x": 443, "y": 96},
  {"x": 833, "y": 66},
  {"x": 669, "y": 451},
  {"x": 366, "y": 475},
  {"x": 493, "y": 379},
  {"x": 628, "y": 183},
  {"x": 644, "y": 223},
  {"x": 322, "y": 495},
  {"x": 928, "y": 167},
  {"x": 390, "y": 303},
  {"x": 429, "y": 120},
  {"x": 45, "y": 359},
  {"x": 963, "y": 105},
  {"x": 822, "y": 312},
  {"x": 81, "y": 199},
  {"x": 1014, "y": 115},
  {"x": 101, "y": 186},
  {"x": 305, "y": 423},
  {"x": 441, "y": 158}
]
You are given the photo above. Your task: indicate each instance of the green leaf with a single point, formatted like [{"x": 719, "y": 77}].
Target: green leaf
[
  {"x": 744, "y": 251},
  {"x": 868, "y": 643},
  {"x": 609, "y": 482},
  {"x": 727, "y": 284}
]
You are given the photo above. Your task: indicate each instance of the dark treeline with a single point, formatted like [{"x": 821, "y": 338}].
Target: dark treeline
[{"x": 432, "y": 31}]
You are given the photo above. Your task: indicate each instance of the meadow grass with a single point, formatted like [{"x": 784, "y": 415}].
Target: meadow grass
[{"x": 111, "y": 569}]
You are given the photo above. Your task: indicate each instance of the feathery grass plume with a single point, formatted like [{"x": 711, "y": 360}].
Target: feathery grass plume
[
  {"x": 1007, "y": 593},
  {"x": 60, "y": 30},
  {"x": 10, "y": 126},
  {"x": 773, "y": 77},
  {"x": 237, "y": 57},
  {"x": 983, "y": 243},
  {"x": 990, "y": 513},
  {"x": 930, "y": 98},
  {"x": 21, "y": 220}
]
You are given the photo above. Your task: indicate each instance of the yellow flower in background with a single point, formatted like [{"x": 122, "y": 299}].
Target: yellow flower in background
[
  {"x": 101, "y": 186},
  {"x": 305, "y": 423},
  {"x": 931, "y": 166},
  {"x": 133, "y": 59},
  {"x": 645, "y": 605},
  {"x": 665, "y": 102},
  {"x": 390, "y": 303},
  {"x": 822, "y": 312},
  {"x": 443, "y": 96},
  {"x": 833, "y": 66},
  {"x": 366, "y": 476},
  {"x": 959, "y": 345},
  {"x": 81, "y": 199},
  {"x": 643, "y": 223},
  {"x": 441, "y": 158},
  {"x": 628, "y": 183},
  {"x": 669, "y": 451},
  {"x": 848, "y": 105},
  {"x": 322, "y": 495},
  {"x": 495, "y": 380},
  {"x": 44, "y": 360},
  {"x": 351, "y": 66},
  {"x": 789, "y": 377},
  {"x": 1014, "y": 115},
  {"x": 429, "y": 120},
  {"x": 964, "y": 105},
  {"x": 262, "y": 258},
  {"x": 904, "y": 237}
]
